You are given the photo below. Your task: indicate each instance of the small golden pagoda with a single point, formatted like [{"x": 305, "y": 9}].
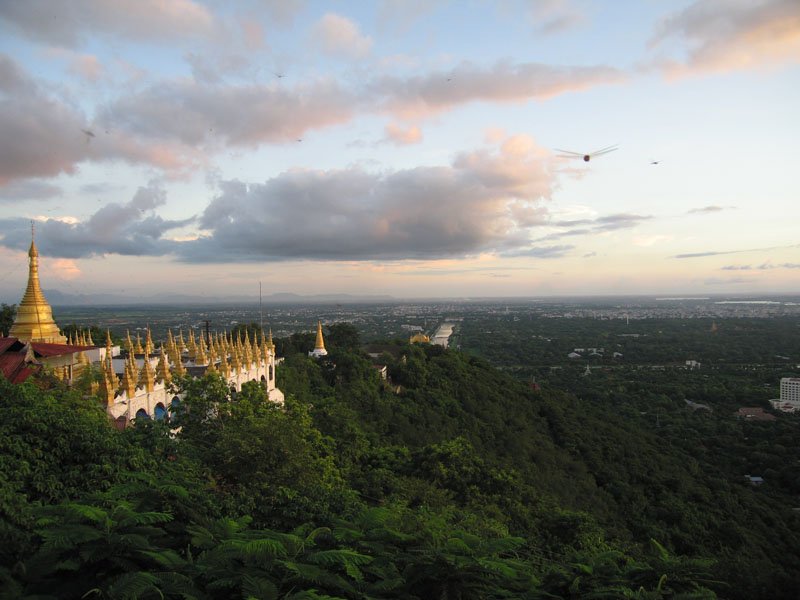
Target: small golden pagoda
[
  {"x": 319, "y": 346},
  {"x": 34, "y": 321}
]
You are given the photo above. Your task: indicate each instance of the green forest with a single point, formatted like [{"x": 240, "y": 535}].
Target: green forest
[{"x": 454, "y": 480}]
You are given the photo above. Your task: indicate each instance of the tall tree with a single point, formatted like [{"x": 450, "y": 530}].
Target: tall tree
[{"x": 7, "y": 314}]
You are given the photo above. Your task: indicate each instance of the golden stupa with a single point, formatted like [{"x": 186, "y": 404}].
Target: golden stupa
[
  {"x": 34, "y": 321},
  {"x": 319, "y": 345}
]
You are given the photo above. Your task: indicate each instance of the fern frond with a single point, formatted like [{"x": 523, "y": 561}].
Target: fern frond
[
  {"x": 263, "y": 550},
  {"x": 258, "y": 587},
  {"x": 133, "y": 585}
]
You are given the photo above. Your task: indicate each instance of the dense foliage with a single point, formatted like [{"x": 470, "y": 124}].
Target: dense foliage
[{"x": 451, "y": 480}]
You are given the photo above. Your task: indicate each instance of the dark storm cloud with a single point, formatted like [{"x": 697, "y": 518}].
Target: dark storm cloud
[{"x": 127, "y": 229}]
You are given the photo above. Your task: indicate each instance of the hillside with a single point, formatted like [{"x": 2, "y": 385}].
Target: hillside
[{"x": 460, "y": 483}]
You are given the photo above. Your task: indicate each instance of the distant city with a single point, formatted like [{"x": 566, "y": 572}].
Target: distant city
[{"x": 395, "y": 318}]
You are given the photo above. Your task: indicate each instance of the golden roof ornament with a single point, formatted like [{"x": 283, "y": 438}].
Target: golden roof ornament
[{"x": 34, "y": 320}]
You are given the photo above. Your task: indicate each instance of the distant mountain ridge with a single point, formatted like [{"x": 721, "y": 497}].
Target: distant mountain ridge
[{"x": 58, "y": 298}]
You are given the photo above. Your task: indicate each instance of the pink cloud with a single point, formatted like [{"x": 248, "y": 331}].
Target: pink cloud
[
  {"x": 338, "y": 35},
  {"x": 403, "y": 135},
  {"x": 732, "y": 35}
]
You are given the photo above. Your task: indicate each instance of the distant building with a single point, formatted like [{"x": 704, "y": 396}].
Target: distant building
[
  {"x": 692, "y": 364},
  {"x": 754, "y": 413},
  {"x": 790, "y": 389},
  {"x": 319, "y": 346},
  {"x": 790, "y": 395},
  {"x": 419, "y": 338}
]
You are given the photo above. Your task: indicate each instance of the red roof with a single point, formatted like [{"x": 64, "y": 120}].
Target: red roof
[
  {"x": 12, "y": 356},
  {"x": 13, "y": 367},
  {"x": 6, "y": 343},
  {"x": 45, "y": 349}
]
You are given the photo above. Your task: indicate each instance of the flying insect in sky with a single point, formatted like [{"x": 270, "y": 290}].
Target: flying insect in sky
[{"x": 586, "y": 157}]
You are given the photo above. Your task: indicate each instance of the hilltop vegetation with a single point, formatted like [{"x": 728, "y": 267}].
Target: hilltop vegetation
[{"x": 462, "y": 483}]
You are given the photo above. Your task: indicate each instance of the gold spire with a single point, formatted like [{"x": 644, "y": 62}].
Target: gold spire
[
  {"x": 147, "y": 378},
  {"x": 320, "y": 344},
  {"x": 107, "y": 388},
  {"x": 224, "y": 367},
  {"x": 191, "y": 346},
  {"x": 177, "y": 365},
  {"x": 201, "y": 358},
  {"x": 148, "y": 343},
  {"x": 128, "y": 383},
  {"x": 269, "y": 341},
  {"x": 139, "y": 349},
  {"x": 34, "y": 321}
]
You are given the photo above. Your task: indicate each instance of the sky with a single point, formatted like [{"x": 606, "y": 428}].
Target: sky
[{"x": 411, "y": 148}]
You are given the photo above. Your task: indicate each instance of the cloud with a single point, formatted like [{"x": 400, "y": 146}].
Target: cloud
[
  {"x": 474, "y": 205},
  {"x": 576, "y": 227},
  {"x": 46, "y": 131},
  {"x": 484, "y": 202},
  {"x": 339, "y": 36},
  {"x": 554, "y": 16},
  {"x": 128, "y": 229},
  {"x": 49, "y": 138},
  {"x": 180, "y": 124},
  {"x": 63, "y": 268},
  {"x": 651, "y": 240},
  {"x": 726, "y": 35},
  {"x": 29, "y": 190},
  {"x": 403, "y": 136},
  {"x": 726, "y": 281},
  {"x": 69, "y": 24},
  {"x": 540, "y": 251},
  {"x": 400, "y": 15},
  {"x": 193, "y": 114},
  {"x": 590, "y": 254},
  {"x": 762, "y": 267},
  {"x": 708, "y": 209},
  {"x": 718, "y": 252},
  {"x": 435, "y": 92}
]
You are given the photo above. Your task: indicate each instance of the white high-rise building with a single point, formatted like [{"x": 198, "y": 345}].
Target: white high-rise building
[{"x": 790, "y": 390}]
